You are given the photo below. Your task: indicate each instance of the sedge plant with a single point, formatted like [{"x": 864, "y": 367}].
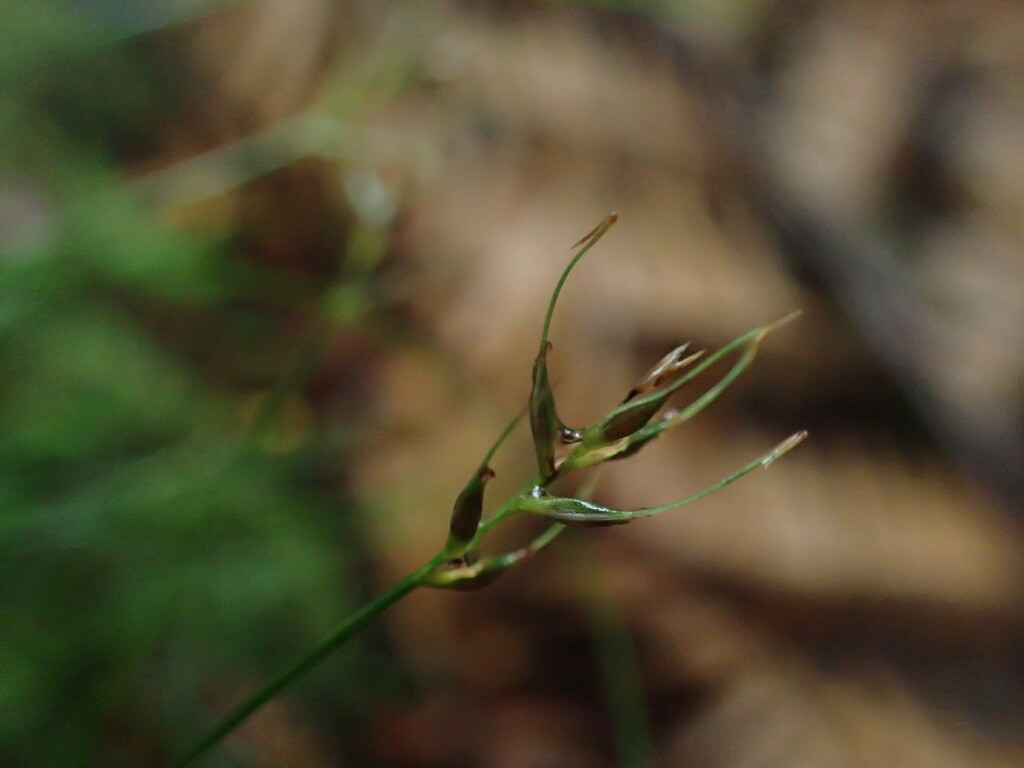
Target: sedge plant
[{"x": 620, "y": 433}]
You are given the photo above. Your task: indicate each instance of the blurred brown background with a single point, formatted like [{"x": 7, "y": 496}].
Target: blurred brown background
[{"x": 413, "y": 175}]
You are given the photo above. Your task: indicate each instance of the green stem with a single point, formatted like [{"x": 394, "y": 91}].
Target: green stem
[
  {"x": 587, "y": 242},
  {"x": 510, "y": 507},
  {"x": 581, "y": 512},
  {"x": 338, "y": 637}
]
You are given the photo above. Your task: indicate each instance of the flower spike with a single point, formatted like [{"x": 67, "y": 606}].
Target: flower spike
[
  {"x": 623, "y": 431},
  {"x": 663, "y": 371},
  {"x": 628, "y": 428},
  {"x": 633, "y": 414}
]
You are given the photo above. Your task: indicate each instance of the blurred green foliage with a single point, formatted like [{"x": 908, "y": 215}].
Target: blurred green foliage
[{"x": 157, "y": 559}]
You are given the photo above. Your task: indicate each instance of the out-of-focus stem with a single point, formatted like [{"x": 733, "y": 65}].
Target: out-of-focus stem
[{"x": 338, "y": 637}]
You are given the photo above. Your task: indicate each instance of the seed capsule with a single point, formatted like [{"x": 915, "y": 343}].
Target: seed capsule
[{"x": 468, "y": 509}]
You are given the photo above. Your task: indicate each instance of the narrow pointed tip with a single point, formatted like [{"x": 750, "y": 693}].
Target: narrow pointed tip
[
  {"x": 784, "y": 447},
  {"x": 597, "y": 232},
  {"x": 786, "y": 318},
  {"x": 690, "y": 359}
]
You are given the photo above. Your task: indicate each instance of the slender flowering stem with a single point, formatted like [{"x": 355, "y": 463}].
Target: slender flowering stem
[
  {"x": 338, "y": 636},
  {"x": 587, "y": 241},
  {"x": 623, "y": 431}
]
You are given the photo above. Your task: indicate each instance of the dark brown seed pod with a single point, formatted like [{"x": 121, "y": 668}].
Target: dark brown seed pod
[{"x": 468, "y": 508}]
